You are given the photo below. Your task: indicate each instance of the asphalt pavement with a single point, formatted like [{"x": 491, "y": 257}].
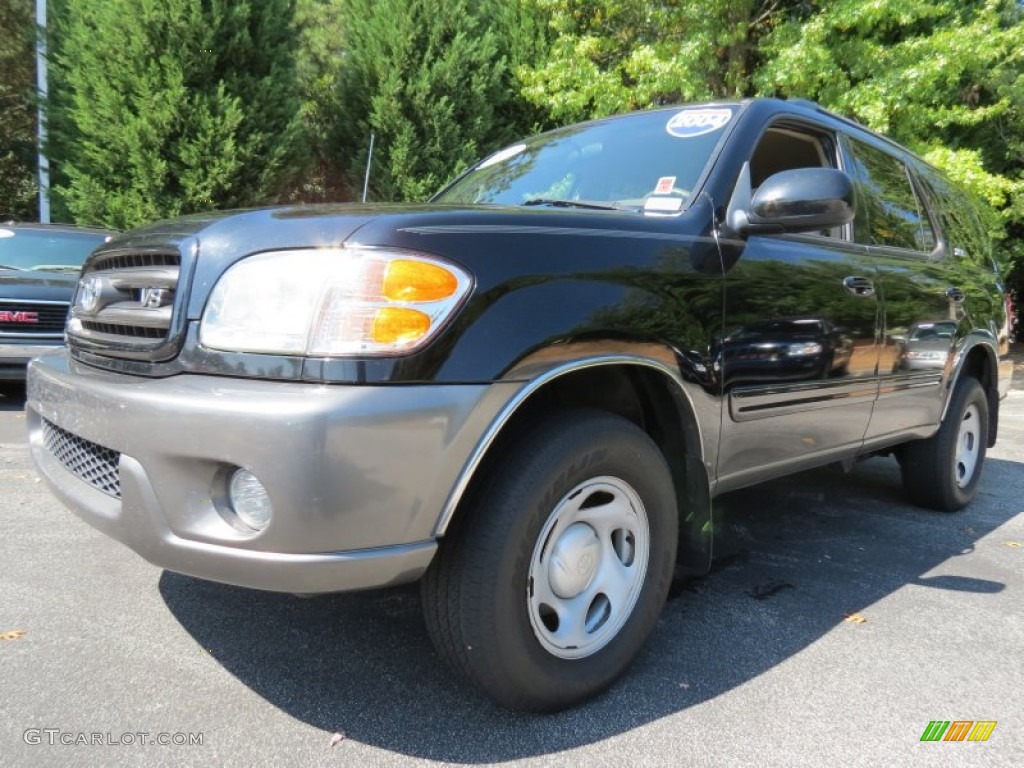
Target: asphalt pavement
[{"x": 837, "y": 623}]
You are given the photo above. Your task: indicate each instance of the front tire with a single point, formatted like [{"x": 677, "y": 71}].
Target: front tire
[
  {"x": 943, "y": 471},
  {"x": 551, "y": 580}
]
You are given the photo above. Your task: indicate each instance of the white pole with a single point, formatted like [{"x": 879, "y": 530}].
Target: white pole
[{"x": 44, "y": 164}]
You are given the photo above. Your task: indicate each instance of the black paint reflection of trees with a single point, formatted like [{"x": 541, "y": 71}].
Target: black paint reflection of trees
[{"x": 671, "y": 303}]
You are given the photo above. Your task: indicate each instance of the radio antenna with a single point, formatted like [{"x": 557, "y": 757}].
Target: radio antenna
[{"x": 369, "y": 162}]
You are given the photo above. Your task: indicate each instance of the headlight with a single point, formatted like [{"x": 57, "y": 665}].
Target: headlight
[
  {"x": 332, "y": 302},
  {"x": 804, "y": 349},
  {"x": 927, "y": 354}
]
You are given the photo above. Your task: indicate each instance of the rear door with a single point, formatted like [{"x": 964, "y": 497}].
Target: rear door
[{"x": 923, "y": 311}]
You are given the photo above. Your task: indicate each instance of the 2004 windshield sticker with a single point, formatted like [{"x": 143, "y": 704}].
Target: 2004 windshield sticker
[{"x": 697, "y": 122}]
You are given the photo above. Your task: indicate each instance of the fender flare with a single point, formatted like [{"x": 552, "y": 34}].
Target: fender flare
[{"x": 695, "y": 518}]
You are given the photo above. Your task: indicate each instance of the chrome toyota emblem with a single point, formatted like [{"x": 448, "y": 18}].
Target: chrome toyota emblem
[{"x": 89, "y": 290}]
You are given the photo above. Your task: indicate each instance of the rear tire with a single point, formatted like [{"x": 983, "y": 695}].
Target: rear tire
[
  {"x": 549, "y": 582},
  {"x": 943, "y": 471}
]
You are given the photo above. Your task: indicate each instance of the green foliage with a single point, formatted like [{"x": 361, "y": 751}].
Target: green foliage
[
  {"x": 17, "y": 110},
  {"x": 435, "y": 83},
  {"x": 611, "y": 56},
  {"x": 945, "y": 77},
  {"x": 171, "y": 106},
  {"x": 319, "y": 55}
]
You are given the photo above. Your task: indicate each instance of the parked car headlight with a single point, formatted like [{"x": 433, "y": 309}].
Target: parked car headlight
[
  {"x": 927, "y": 354},
  {"x": 332, "y": 302},
  {"x": 804, "y": 349}
]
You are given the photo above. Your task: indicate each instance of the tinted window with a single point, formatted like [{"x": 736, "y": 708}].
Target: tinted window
[
  {"x": 621, "y": 161},
  {"x": 889, "y": 211},
  {"x": 958, "y": 217}
]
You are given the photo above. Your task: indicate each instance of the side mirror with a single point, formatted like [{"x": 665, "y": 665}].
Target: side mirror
[{"x": 799, "y": 200}]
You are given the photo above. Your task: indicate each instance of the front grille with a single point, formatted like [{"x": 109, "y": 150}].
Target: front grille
[
  {"x": 96, "y": 465},
  {"x": 32, "y": 318},
  {"x": 125, "y": 303},
  {"x": 137, "y": 331},
  {"x": 134, "y": 261}
]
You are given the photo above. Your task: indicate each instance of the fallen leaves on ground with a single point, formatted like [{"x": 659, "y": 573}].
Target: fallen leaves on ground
[
  {"x": 337, "y": 738},
  {"x": 13, "y": 634},
  {"x": 854, "y": 618},
  {"x": 1014, "y": 544}
]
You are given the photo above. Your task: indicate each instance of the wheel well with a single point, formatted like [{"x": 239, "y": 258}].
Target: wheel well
[
  {"x": 981, "y": 365},
  {"x": 648, "y": 398}
]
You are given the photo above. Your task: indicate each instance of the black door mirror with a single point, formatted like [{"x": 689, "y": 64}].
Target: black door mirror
[{"x": 798, "y": 200}]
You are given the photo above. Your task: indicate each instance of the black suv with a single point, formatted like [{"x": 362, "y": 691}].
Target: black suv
[
  {"x": 39, "y": 266},
  {"x": 529, "y": 391}
]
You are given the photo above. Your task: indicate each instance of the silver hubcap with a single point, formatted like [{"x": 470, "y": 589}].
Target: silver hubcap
[
  {"x": 967, "y": 446},
  {"x": 588, "y": 567}
]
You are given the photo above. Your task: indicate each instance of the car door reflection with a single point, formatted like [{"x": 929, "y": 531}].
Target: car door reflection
[{"x": 784, "y": 349}]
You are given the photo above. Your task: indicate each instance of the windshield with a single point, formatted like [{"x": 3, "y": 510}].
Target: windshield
[
  {"x": 933, "y": 331},
  {"x": 46, "y": 250},
  {"x": 647, "y": 161}
]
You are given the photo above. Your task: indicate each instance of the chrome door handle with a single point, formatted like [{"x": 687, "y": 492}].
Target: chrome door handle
[
  {"x": 955, "y": 295},
  {"x": 859, "y": 286}
]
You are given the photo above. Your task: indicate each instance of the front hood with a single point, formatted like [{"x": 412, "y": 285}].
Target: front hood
[
  {"x": 38, "y": 286},
  {"x": 221, "y": 239}
]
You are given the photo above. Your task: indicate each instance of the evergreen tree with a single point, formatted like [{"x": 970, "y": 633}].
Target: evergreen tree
[
  {"x": 17, "y": 111},
  {"x": 320, "y": 26},
  {"x": 165, "y": 107},
  {"x": 435, "y": 82}
]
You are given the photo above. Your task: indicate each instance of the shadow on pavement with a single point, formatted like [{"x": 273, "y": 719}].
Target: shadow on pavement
[{"x": 793, "y": 557}]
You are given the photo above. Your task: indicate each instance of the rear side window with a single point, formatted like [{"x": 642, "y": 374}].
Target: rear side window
[
  {"x": 958, "y": 218},
  {"x": 889, "y": 211}
]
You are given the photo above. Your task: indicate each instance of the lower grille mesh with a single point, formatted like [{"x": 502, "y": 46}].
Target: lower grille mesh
[{"x": 93, "y": 463}]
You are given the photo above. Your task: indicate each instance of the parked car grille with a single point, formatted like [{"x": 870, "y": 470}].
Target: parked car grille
[
  {"x": 124, "y": 307},
  {"x": 32, "y": 318},
  {"x": 93, "y": 463}
]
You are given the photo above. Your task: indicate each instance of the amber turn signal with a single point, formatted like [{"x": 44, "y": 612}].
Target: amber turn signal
[
  {"x": 409, "y": 280},
  {"x": 399, "y": 325}
]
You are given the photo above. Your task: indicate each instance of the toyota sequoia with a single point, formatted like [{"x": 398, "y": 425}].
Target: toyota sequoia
[{"x": 527, "y": 392}]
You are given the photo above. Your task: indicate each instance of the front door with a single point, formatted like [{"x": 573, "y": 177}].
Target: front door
[{"x": 799, "y": 354}]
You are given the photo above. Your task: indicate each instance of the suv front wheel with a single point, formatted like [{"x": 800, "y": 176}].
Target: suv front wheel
[{"x": 554, "y": 576}]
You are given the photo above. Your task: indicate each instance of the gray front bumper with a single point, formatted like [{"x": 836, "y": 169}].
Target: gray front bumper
[
  {"x": 358, "y": 475},
  {"x": 14, "y": 355}
]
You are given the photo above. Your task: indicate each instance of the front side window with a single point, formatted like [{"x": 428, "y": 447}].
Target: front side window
[
  {"x": 785, "y": 148},
  {"x": 889, "y": 211},
  {"x": 619, "y": 163}
]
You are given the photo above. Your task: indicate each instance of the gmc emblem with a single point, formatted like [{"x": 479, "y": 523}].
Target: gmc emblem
[{"x": 7, "y": 316}]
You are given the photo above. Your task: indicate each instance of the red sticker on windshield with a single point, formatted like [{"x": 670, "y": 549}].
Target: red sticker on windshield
[{"x": 665, "y": 185}]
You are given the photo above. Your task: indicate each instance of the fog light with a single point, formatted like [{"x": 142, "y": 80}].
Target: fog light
[{"x": 249, "y": 500}]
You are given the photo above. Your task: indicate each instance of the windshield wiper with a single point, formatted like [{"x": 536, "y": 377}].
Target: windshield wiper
[
  {"x": 67, "y": 269},
  {"x": 8, "y": 266},
  {"x": 557, "y": 203}
]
